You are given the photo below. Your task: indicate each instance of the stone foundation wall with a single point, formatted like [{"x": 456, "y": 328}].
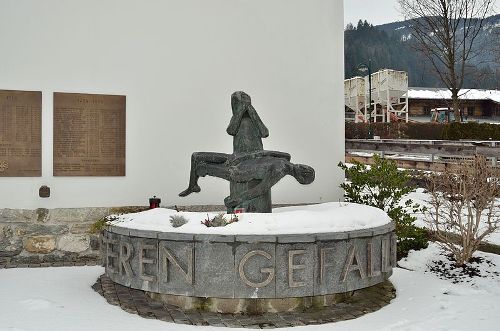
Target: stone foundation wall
[
  {"x": 49, "y": 235},
  {"x": 59, "y": 235}
]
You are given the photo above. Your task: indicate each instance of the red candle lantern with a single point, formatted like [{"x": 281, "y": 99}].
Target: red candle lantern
[{"x": 154, "y": 202}]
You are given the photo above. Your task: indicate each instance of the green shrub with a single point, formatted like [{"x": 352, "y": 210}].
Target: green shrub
[
  {"x": 431, "y": 131},
  {"x": 100, "y": 224},
  {"x": 409, "y": 236},
  {"x": 471, "y": 131},
  {"x": 394, "y": 130},
  {"x": 383, "y": 186}
]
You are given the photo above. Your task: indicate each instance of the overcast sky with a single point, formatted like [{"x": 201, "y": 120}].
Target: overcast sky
[{"x": 375, "y": 11}]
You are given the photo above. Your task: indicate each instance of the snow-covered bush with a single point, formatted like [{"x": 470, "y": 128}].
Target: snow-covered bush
[
  {"x": 219, "y": 220},
  {"x": 383, "y": 185},
  {"x": 465, "y": 203},
  {"x": 177, "y": 220}
]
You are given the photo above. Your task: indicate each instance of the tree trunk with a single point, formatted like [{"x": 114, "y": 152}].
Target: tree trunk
[{"x": 456, "y": 105}]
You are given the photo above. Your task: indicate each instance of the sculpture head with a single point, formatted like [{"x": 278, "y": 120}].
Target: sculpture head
[
  {"x": 304, "y": 174},
  {"x": 241, "y": 105},
  {"x": 240, "y": 101}
]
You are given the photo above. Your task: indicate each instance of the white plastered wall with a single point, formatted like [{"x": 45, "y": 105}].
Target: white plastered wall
[{"x": 178, "y": 61}]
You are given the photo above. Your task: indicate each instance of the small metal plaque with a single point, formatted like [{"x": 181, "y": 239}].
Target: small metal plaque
[
  {"x": 89, "y": 134},
  {"x": 44, "y": 192},
  {"x": 20, "y": 134}
]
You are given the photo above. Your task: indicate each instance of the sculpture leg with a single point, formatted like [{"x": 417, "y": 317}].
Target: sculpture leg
[
  {"x": 198, "y": 160},
  {"x": 256, "y": 204}
]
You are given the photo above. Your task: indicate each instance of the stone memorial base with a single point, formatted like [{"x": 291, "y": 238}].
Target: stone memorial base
[{"x": 249, "y": 273}]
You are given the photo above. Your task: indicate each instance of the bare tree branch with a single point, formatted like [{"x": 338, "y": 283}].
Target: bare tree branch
[{"x": 446, "y": 32}]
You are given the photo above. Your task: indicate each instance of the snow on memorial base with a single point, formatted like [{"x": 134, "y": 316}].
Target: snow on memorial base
[{"x": 293, "y": 258}]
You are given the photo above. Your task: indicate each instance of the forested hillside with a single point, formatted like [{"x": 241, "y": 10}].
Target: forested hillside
[{"x": 390, "y": 46}]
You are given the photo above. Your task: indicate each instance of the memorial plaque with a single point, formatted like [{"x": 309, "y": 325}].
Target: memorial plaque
[
  {"x": 89, "y": 135},
  {"x": 20, "y": 134}
]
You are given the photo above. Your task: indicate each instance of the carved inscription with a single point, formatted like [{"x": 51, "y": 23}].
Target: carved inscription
[
  {"x": 293, "y": 266},
  {"x": 111, "y": 255},
  {"x": 20, "y": 134},
  {"x": 89, "y": 135},
  {"x": 386, "y": 254},
  {"x": 124, "y": 268},
  {"x": 340, "y": 265},
  {"x": 323, "y": 264},
  {"x": 144, "y": 261},
  {"x": 352, "y": 264},
  {"x": 269, "y": 271},
  {"x": 370, "y": 269},
  {"x": 168, "y": 259}
]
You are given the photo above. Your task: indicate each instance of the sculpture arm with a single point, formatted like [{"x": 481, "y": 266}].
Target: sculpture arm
[
  {"x": 234, "y": 124},
  {"x": 264, "y": 132}
]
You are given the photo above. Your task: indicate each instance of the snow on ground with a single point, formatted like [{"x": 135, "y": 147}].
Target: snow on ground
[
  {"x": 325, "y": 217},
  {"x": 419, "y": 196},
  {"x": 62, "y": 299}
]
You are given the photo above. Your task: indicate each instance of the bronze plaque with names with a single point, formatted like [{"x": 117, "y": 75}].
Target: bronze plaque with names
[
  {"x": 20, "y": 133},
  {"x": 89, "y": 134}
]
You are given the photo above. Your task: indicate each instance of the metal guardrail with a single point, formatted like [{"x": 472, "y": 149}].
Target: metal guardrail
[{"x": 429, "y": 151}]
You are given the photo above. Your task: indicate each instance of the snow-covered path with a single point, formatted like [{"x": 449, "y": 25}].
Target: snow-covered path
[{"x": 62, "y": 299}]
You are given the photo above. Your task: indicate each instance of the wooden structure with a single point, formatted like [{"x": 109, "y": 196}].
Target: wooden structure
[{"x": 473, "y": 102}]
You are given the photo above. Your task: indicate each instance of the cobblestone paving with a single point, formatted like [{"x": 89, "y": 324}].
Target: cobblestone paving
[{"x": 137, "y": 302}]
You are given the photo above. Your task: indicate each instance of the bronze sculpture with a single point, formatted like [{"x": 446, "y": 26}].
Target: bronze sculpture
[{"x": 251, "y": 170}]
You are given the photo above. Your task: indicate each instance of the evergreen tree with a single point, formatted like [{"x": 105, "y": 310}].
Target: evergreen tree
[{"x": 387, "y": 50}]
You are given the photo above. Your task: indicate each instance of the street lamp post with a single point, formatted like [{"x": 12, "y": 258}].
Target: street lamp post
[{"x": 363, "y": 68}]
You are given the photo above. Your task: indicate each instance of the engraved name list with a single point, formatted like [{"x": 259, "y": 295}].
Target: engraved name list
[
  {"x": 89, "y": 135},
  {"x": 20, "y": 134}
]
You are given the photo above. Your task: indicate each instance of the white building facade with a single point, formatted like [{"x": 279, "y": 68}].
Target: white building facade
[{"x": 177, "y": 62}]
